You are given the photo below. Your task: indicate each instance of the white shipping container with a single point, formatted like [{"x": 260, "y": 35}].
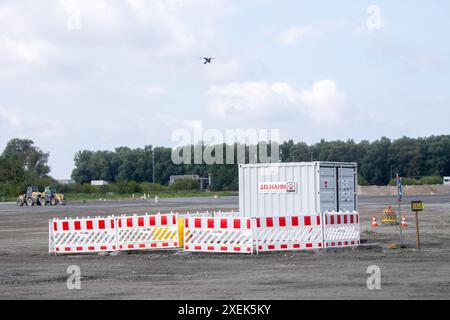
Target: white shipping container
[{"x": 290, "y": 189}]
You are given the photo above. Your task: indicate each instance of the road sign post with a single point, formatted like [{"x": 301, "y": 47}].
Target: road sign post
[
  {"x": 399, "y": 200},
  {"x": 417, "y": 206}
]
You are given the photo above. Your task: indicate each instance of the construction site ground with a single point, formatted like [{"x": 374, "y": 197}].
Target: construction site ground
[{"x": 28, "y": 272}]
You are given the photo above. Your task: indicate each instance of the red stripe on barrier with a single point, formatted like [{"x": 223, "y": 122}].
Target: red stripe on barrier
[
  {"x": 237, "y": 249},
  {"x": 210, "y": 248},
  {"x": 55, "y": 226},
  {"x": 319, "y": 245},
  {"x": 307, "y": 220},
  {"x": 174, "y": 219},
  {"x": 210, "y": 223},
  {"x": 282, "y": 222},
  {"x": 269, "y": 222},
  {"x": 271, "y": 247},
  {"x": 91, "y": 248},
  {"x": 294, "y": 221},
  {"x": 318, "y": 220},
  {"x": 338, "y": 219},
  {"x": 120, "y": 223},
  {"x": 79, "y": 248},
  {"x": 258, "y": 223},
  {"x": 357, "y": 218},
  {"x": 141, "y": 221},
  {"x": 65, "y": 226},
  {"x": 331, "y": 219},
  {"x": 223, "y": 224},
  {"x": 352, "y": 219},
  {"x": 296, "y": 246},
  {"x": 223, "y": 248},
  {"x": 101, "y": 224},
  {"x": 77, "y": 225},
  {"x": 129, "y": 222},
  {"x": 89, "y": 225},
  {"x": 153, "y": 245},
  {"x": 165, "y": 244},
  {"x": 237, "y": 223},
  {"x": 112, "y": 223},
  {"x": 309, "y": 245},
  {"x": 67, "y": 249},
  {"x": 345, "y": 219},
  {"x": 130, "y": 246},
  {"x": 283, "y": 246},
  {"x": 198, "y": 223},
  {"x": 164, "y": 220},
  {"x": 186, "y": 223},
  {"x": 103, "y": 248},
  {"x": 249, "y": 224},
  {"x": 152, "y": 221}
]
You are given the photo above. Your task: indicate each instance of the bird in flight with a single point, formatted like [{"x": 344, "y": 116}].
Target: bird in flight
[{"x": 207, "y": 60}]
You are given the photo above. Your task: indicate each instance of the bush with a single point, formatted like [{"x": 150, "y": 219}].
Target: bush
[
  {"x": 185, "y": 184},
  {"x": 405, "y": 182},
  {"x": 431, "y": 180},
  {"x": 362, "y": 181},
  {"x": 152, "y": 187}
]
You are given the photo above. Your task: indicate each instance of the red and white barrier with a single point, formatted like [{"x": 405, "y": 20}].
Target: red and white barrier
[
  {"x": 82, "y": 235},
  {"x": 143, "y": 232},
  {"x": 288, "y": 233},
  {"x": 341, "y": 229},
  {"x": 226, "y": 235}
]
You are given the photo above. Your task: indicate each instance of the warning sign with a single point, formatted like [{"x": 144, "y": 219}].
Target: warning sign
[
  {"x": 277, "y": 187},
  {"x": 417, "y": 206}
]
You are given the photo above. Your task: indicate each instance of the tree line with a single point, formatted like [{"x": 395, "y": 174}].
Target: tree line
[
  {"x": 378, "y": 161},
  {"x": 22, "y": 163}
]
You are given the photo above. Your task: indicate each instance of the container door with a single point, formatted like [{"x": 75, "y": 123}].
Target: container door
[
  {"x": 347, "y": 187},
  {"x": 328, "y": 187}
]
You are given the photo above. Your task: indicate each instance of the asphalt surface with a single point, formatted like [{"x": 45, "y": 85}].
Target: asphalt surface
[{"x": 27, "y": 272}]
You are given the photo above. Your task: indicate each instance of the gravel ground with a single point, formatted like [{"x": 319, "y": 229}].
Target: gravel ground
[{"x": 27, "y": 272}]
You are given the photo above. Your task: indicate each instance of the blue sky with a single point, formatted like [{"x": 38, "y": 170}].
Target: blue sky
[{"x": 97, "y": 75}]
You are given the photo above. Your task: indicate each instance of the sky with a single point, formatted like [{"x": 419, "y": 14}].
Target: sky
[{"x": 101, "y": 74}]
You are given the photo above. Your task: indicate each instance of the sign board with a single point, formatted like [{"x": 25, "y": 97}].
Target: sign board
[
  {"x": 277, "y": 187},
  {"x": 417, "y": 206}
]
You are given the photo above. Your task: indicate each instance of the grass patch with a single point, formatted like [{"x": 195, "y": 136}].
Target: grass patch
[{"x": 151, "y": 195}]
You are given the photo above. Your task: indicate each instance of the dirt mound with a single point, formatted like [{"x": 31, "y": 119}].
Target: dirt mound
[{"x": 407, "y": 190}]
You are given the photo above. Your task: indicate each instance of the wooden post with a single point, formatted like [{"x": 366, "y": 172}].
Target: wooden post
[{"x": 417, "y": 229}]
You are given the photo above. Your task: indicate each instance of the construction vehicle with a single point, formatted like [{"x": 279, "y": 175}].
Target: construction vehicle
[
  {"x": 51, "y": 196},
  {"x": 34, "y": 197},
  {"x": 30, "y": 198}
]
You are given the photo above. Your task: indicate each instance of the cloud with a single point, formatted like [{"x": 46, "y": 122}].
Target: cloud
[
  {"x": 16, "y": 123},
  {"x": 153, "y": 31},
  {"x": 322, "y": 103},
  {"x": 297, "y": 33}
]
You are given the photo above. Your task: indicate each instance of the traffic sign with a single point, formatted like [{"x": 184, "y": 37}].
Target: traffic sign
[{"x": 417, "y": 206}]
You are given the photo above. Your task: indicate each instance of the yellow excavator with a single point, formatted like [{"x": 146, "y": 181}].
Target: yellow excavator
[{"x": 34, "y": 197}]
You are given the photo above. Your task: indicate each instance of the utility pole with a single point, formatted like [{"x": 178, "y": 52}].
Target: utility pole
[{"x": 153, "y": 165}]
